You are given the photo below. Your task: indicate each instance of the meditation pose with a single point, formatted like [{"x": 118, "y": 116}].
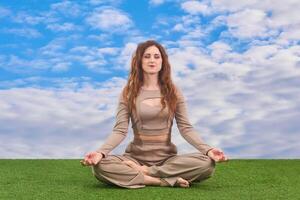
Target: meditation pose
[{"x": 151, "y": 101}]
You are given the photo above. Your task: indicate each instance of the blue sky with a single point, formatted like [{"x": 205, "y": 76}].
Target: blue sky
[{"x": 63, "y": 64}]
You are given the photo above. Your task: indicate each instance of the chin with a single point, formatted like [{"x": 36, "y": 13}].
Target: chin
[{"x": 152, "y": 72}]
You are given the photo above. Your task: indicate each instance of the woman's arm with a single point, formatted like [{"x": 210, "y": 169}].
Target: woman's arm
[
  {"x": 120, "y": 129},
  {"x": 185, "y": 128}
]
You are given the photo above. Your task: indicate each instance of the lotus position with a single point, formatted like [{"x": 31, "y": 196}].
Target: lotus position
[{"x": 151, "y": 101}]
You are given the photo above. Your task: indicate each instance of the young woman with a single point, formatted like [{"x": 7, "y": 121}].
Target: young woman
[{"x": 151, "y": 101}]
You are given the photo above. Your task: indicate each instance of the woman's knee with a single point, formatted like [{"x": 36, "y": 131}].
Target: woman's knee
[
  {"x": 206, "y": 164},
  {"x": 209, "y": 168},
  {"x": 103, "y": 165},
  {"x": 210, "y": 164}
]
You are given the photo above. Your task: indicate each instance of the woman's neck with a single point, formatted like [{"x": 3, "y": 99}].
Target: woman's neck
[{"x": 151, "y": 81}]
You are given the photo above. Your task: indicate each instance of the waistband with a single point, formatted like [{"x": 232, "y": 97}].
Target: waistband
[{"x": 141, "y": 138}]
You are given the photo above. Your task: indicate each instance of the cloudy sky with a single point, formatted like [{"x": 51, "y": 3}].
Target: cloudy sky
[{"x": 63, "y": 64}]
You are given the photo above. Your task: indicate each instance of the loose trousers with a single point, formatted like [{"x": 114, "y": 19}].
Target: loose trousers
[{"x": 194, "y": 167}]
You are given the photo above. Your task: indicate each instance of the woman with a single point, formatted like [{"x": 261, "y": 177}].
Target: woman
[{"x": 152, "y": 101}]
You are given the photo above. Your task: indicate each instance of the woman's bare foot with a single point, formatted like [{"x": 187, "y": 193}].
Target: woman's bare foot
[
  {"x": 182, "y": 183},
  {"x": 153, "y": 180},
  {"x": 143, "y": 168}
]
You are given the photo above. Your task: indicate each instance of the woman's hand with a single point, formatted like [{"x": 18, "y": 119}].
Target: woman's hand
[
  {"x": 91, "y": 158},
  {"x": 217, "y": 155}
]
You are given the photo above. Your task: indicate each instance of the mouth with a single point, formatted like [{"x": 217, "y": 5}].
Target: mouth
[{"x": 151, "y": 65}]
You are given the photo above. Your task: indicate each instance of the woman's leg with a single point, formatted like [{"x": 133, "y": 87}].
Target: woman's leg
[
  {"x": 149, "y": 180},
  {"x": 125, "y": 172},
  {"x": 113, "y": 170},
  {"x": 191, "y": 167}
]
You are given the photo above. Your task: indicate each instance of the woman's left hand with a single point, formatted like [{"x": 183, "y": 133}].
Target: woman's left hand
[{"x": 217, "y": 155}]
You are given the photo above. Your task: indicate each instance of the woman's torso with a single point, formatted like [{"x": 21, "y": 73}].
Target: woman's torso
[{"x": 152, "y": 131}]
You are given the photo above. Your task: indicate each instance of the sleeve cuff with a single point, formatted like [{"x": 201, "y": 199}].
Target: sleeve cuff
[
  {"x": 208, "y": 151},
  {"x": 103, "y": 154}
]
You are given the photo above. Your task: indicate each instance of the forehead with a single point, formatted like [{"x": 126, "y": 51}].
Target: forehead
[{"x": 152, "y": 50}]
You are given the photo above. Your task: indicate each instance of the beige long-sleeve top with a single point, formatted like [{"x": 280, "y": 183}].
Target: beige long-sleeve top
[{"x": 146, "y": 122}]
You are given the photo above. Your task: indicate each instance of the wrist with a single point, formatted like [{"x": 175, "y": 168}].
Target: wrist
[
  {"x": 209, "y": 151},
  {"x": 100, "y": 153}
]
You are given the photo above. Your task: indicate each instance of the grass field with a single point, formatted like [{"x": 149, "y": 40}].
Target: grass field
[{"x": 67, "y": 179}]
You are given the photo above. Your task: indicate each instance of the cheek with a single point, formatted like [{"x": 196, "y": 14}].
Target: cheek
[
  {"x": 143, "y": 63},
  {"x": 160, "y": 63}
]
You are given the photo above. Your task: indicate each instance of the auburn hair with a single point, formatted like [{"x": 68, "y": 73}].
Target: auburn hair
[{"x": 136, "y": 79}]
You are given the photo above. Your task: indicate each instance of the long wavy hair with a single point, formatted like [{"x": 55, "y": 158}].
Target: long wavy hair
[{"x": 136, "y": 79}]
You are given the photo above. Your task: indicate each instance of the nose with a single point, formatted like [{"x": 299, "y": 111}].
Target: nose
[{"x": 151, "y": 59}]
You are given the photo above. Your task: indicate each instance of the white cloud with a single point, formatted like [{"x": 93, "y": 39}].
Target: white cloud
[
  {"x": 104, "y": 38},
  {"x": 45, "y": 119},
  {"x": 282, "y": 13},
  {"x": 95, "y": 59},
  {"x": 18, "y": 65},
  {"x": 196, "y": 33},
  {"x": 219, "y": 50},
  {"x": 63, "y": 27},
  {"x": 4, "y": 12},
  {"x": 125, "y": 56},
  {"x": 25, "y": 18},
  {"x": 156, "y": 2},
  {"x": 232, "y": 5},
  {"x": 53, "y": 48},
  {"x": 290, "y": 36},
  {"x": 195, "y": 7},
  {"x": 235, "y": 96},
  {"x": 101, "y": 2},
  {"x": 57, "y": 56},
  {"x": 190, "y": 25},
  {"x": 108, "y": 50},
  {"x": 67, "y": 8},
  {"x": 249, "y": 18},
  {"x": 23, "y": 32},
  {"x": 178, "y": 27},
  {"x": 248, "y": 23},
  {"x": 62, "y": 66},
  {"x": 110, "y": 19}
]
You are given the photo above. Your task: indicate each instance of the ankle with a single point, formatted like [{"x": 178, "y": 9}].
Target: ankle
[
  {"x": 145, "y": 170},
  {"x": 163, "y": 182}
]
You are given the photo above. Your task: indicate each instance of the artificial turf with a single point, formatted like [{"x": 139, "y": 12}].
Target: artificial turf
[{"x": 67, "y": 179}]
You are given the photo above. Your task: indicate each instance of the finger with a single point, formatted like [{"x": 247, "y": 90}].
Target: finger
[
  {"x": 224, "y": 158},
  {"x": 83, "y": 163},
  {"x": 91, "y": 161},
  {"x": 220, "y": 158},
  {"x": 94, "y": 162},
  {"x": 216, "y": 159},
  {"x": 219, "y": 153},
  {"x": 88, "y": 161}
]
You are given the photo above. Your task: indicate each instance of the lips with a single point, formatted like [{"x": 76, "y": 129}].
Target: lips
[{"x": 151, "y": 65}]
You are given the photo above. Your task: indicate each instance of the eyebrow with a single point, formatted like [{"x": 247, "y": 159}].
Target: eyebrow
[{"x": 154, "y": 54}]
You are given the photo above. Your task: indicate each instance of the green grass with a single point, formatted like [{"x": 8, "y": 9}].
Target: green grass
[{"x": 67, "y": 179}]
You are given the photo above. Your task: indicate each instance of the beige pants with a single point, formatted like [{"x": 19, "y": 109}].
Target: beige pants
[{"x": 194, "y": 167}]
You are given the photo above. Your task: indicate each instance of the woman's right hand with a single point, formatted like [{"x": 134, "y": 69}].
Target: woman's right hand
[{"x": 92, "y": 158}]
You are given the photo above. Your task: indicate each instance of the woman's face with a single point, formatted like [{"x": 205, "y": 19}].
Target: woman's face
[{"x": 152, "y": 60}]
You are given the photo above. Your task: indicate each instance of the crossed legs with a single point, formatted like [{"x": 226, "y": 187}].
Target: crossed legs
[
  {"x": 179, "y": 170},
  {"x": 149, "y": 180}
]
